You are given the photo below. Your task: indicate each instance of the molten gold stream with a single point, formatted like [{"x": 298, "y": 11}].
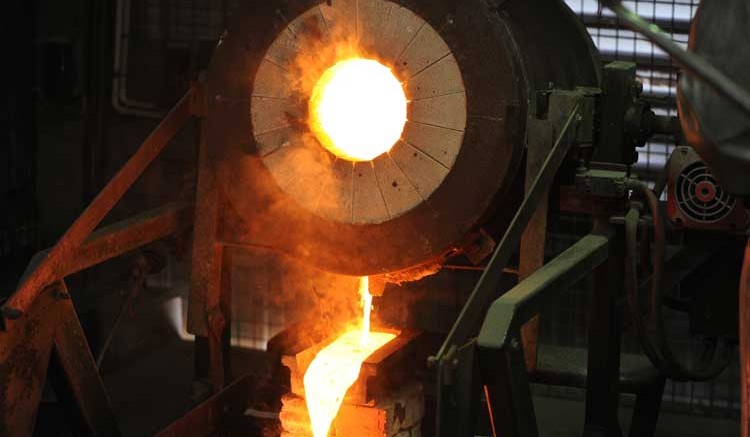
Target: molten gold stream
[{"x": 337, "y": 366}]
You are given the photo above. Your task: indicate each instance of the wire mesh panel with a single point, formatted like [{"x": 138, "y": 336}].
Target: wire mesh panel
[
  {"x": 655, "y": 70},
  {"x": 167, "y": 44}
]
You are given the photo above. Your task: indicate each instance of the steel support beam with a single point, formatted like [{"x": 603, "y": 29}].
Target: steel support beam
[
  {"x": 604, "y": 339},
  {"x": 500, "y": 356},
  {"x": 25, "y": 351},
  {"x": 122, "y": 237},
  {"x": 519, "y": 304},
  {"x": 49, "y": 269},
  {"x": 75, "y": 377},
  {"x": 51, "y": 333},
  {"x": 209, "y": 305},
  {"x": 540, "y": 138}
]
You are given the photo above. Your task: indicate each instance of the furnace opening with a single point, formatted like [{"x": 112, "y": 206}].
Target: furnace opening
[{"x": 358, "y": 109}]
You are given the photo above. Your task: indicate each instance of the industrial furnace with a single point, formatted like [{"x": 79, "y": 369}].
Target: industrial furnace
[
  {"x": 374, "y": 144},
  {"x": 312, "y": 148}
]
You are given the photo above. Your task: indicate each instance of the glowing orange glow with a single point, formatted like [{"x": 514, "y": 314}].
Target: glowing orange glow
[
  {"x": 358, "y": 109},
  {"x": 336, "y": 368}
]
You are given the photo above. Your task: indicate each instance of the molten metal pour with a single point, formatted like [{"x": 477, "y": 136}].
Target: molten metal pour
[
  {"x": 358, "y": 111},
  {"x": 337, "y": 366}
]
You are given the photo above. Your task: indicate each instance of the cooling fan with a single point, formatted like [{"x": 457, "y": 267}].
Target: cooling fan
[{"x": 696, "y": 199}]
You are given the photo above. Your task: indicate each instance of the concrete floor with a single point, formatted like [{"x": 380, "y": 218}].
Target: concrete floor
[
  {"x": 564, "y": 418},
  {"x": 151, "y": 393},
  {"x": 149, "y": 369}
]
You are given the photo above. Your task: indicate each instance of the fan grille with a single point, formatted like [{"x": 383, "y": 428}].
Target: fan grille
[{"x": 700, "y": 197}]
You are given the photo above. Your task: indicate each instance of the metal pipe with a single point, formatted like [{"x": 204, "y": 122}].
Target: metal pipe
[
  {"x": 120, "y": 100},
  {"x": 694, "y": 64},
  {"x": 651, "y": 332}
]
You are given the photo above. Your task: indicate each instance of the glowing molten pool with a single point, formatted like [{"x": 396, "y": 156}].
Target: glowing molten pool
[
  {"x": 358, "y": 109},
  {"x": 337, "y": 366}
]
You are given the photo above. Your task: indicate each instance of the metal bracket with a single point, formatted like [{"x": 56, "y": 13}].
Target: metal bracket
[
  {"x": 514, "y": 308},
  {"x": 603, "y": 180}
]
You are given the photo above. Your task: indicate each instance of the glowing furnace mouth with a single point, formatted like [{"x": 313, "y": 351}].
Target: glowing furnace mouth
[{"x": 358, "y": 109}]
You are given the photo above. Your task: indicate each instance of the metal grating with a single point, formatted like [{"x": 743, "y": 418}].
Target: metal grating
[
  {"x": 655, "y": 69},
  {"x": 181, "y": 22},
  {"x": 169, "y": 43},
  {"x": 566, "y": 322}
]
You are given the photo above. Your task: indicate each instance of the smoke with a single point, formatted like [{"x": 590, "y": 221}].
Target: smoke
[{"x": 272, "y": 292}]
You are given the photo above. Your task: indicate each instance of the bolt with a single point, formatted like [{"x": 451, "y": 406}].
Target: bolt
[{"x": 514, "y": 343}]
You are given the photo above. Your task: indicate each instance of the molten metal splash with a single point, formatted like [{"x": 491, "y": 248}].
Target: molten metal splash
[
  {"x": 358, "y": 109},
  {"x": 337, "y": 366}
]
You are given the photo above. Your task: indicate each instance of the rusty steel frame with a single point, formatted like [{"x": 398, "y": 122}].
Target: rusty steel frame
[
  {"x": 124, "y": 236},
  {"x": 50, "y": 269},
  {"x": 209, "y": 302},
  {"x": 40, "y": 335},
  {"x": 75, "y": 377},
  {"x": 25, "y": 351},
  {"x": 50, "y": 345}
]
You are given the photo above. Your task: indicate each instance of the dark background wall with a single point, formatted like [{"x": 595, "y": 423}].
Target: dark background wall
[
  {"x": 60, "y": 139},
  {"x": 18, "y": 221}
]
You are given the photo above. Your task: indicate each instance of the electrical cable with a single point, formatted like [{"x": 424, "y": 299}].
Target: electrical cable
[{"x": 651, "y": 331}]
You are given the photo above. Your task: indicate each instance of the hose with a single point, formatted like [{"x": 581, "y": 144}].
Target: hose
[{"x": 651, "y": 331}]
